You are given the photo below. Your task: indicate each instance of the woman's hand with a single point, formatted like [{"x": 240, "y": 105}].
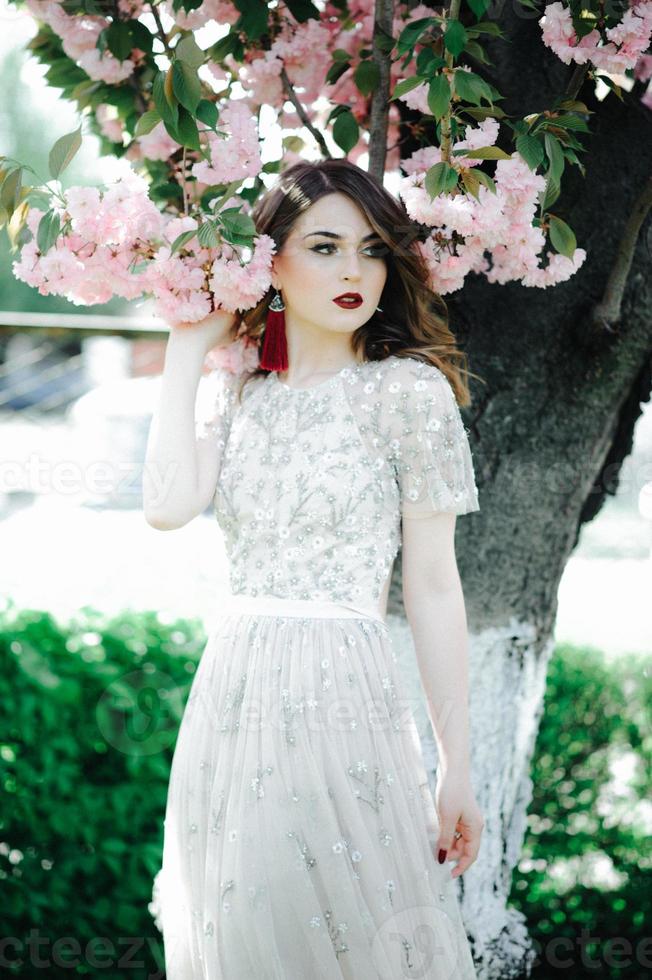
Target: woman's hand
[
  {"x": 458, "y": 812},
  {"x": 217, "y": 329}
]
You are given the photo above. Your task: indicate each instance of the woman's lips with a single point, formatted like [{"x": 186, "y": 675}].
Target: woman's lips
[{"x": 348, "y": 304}]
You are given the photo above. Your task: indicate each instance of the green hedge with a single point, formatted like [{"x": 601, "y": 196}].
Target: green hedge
[
  {"x": 90, "y": 712},
  {"x": 596, "y": 714}
]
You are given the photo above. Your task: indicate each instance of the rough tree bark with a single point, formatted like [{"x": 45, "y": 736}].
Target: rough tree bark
[{"x": 550, "y": 428}]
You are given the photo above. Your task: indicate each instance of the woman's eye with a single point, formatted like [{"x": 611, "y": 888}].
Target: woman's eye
[{"x": 379, "y": 250}]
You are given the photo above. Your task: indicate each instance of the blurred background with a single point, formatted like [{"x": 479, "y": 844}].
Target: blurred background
[{"x": 103, "y": 620}]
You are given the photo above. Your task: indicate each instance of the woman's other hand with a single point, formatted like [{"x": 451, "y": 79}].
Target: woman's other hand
[{"x": 458, "y": 812}]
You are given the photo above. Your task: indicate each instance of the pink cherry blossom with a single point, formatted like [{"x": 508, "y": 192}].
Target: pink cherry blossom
[
  {"x": 157, "y": 144},
  {"x": 234, "y": 155},
  {"x": 625, "y": 43}
]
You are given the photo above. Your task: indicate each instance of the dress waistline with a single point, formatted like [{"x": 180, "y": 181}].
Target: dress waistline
[{"x": 272, "y": 605}]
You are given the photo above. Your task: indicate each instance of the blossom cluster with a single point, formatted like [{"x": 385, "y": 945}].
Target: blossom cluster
[
  {"x": 79, "y": 34},
  {"x": 118, "y": 243},
  {"x": 626, "y": 41},
  {"x": 493, "y": 234}
]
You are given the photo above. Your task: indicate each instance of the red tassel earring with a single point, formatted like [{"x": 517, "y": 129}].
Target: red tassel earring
[{"x": 274, "y": 356}]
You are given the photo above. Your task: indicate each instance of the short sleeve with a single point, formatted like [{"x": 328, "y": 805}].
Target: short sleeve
[{"x": 430, "y": 446}]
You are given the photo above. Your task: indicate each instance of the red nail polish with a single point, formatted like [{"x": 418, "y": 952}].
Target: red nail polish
[{"x": 442, "y": 856}]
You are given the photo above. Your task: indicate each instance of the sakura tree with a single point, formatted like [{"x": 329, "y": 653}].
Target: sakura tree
[{"x": 519, "y": 137}]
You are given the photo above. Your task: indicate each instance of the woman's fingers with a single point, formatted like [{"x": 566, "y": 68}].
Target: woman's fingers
[{"x": 466, "y": 849}]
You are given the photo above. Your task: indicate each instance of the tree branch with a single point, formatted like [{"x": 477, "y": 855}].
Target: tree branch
[
  {"x": 576, "y": 81},
  {"x": 379, "y": 115},
  {"x": 453, "y": 14},
  {"x": 287, "y": 85},
  {"x": 161, "y": 33},
  {"x": 608, "y": 310}
]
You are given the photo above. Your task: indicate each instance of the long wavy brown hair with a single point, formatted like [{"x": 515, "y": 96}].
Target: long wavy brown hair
[{"x": 414, "y": 318}]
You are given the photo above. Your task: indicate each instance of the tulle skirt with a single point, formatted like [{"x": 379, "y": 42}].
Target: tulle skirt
[{"x": 300, "y": 828}]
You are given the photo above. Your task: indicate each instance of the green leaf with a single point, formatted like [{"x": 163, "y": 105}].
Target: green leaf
[
  {"x": 218, "y": 195},
  {"x": 63, "y": 151},
  {"x": 572, "y": 105},
  {"x": 428, "y": 63},
  {"x": 439, "y": 96},
  {"x": 169, "y": 112},
  {"x": 346, "y": 132},
  {"x": 440, "y": 179},
  {"x": 186, "y": 85},
  {"x": 207, "y": 113},
  {"x": 141, "y": 37},
  {"x": 411, "y": 34},
  {"x": 555, "y": 156},
  {"x": 531, "y": 149},
  {"x": 455, "y": 38},
  {"x": 188, "y": 50},
  {"x": 302, "y": 10},
  {"x": 471, "y": 183},
  {"x": 187, "y": 5},
  {"x": 187, "y": 130},
  {"x": 237, "y": 223},
  {"x": 39, "y": 199},
  {"x": 609, "y": 82},
  {"x": 182, "y": 240},
  {"x": 479, "y": 7},
  {"x": 562, "y": 237},
  {"x": 336, "y": 71},
  {"x": 48, "y": 230},
  {"x": 550, "y": 194},
  {"x": 207, "y": 235},
  {"x": 476, "y": 51},
  {"x": 570, "y": 122},
  {"x": 118, "y": 39},
  {"x": 366, "y": 77},
  {"x": 486, "y": 153},
  {"x": 471, "y": 87},
  {"x": 147, "y": 122},
  {"x": 10, "y": 192},
  {"x": 485, "y": 179},
  {"x": 229, "y": 44},
  {"x": 82, "y": 93},
  {"x": 481, "y": 113},
  {"x": 486, "y": 27},
  {"x": 253, "y": 21},
  {"x": 405, "y": 85}
]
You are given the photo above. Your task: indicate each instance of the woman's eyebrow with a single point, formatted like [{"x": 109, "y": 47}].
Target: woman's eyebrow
[{"x": 332, "y": 234}]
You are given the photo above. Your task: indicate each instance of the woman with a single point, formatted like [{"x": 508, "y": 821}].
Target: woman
[{"x": 300, "y": 833}]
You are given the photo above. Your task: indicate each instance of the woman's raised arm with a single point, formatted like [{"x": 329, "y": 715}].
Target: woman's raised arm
[{"x": 177, "y": 479}]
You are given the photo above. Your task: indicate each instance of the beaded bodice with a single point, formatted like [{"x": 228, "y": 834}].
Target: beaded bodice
[{"x": 313, "y": 483}]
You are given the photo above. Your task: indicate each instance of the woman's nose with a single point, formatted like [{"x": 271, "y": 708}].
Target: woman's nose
[{"x": 352, "y": 265}]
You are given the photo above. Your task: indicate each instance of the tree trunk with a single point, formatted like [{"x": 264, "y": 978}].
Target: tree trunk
[{"x": 550, "y": 428}]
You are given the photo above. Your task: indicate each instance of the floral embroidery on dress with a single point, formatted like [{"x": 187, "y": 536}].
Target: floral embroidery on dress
[{"x": 386, "y": 439}]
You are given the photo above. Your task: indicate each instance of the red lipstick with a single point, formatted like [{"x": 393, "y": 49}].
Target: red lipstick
[{"x": 349, "y": 301}]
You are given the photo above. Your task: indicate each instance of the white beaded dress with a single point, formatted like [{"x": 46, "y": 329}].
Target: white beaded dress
[{"x": 300, "y": 827}]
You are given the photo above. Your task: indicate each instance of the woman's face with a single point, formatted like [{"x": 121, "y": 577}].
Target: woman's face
[{"x": 313, "y": 268}]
